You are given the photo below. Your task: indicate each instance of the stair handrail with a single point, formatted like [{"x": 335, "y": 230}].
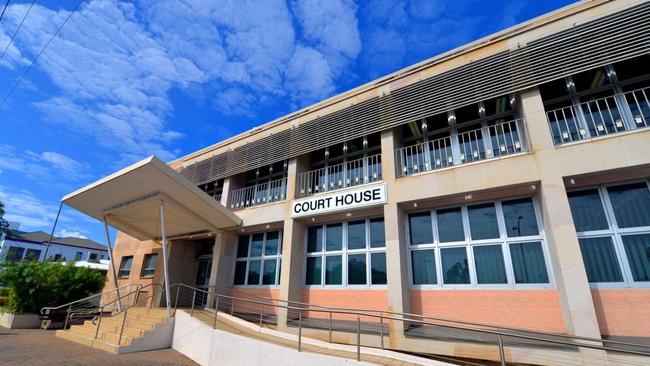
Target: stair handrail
[
  {"x": 495, "y": 332},
  {"x": 47, "y": 309}
]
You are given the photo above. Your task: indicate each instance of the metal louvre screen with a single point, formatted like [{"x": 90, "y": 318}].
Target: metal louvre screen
[{"x": 613, "y": 38}]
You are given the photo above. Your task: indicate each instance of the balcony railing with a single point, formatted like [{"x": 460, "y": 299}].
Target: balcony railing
[
  {"x": 217, "y": 197},
  {"x": 351, "y": 173},
  {"x": 489, "y": 142},
  {"x": 273, "y": 191},
  {"x": 600, "y": 117}
]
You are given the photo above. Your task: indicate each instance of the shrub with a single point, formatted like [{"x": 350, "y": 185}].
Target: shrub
[{"x": 35, "y": 284}]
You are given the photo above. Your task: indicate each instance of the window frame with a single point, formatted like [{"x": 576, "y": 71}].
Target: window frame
[
  {"x": 616, "y": 234},
  {"x": 344, "y": 253},
  {"x": 263, "y": 258},
  {"x": 119, "y": 268},
  {"x": 503, "y": 240},
  {"x": 144, "y": 261}
]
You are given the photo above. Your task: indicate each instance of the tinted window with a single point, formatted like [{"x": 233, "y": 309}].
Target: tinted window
[
  {"x": 423, "y": 265},
  {"x": 313, "y": 271},
  {"x": 528, "y": 263},
  {"x": 333, "y": 270},
  {"x": 450, "y": 225},
  {"x": 377, "y": 238},
  {"x": 356, "y": 234},
  {"x": 637, "y": 248},
  {"x": 587, "y": 210},
  {"x": 490, "y": 268},
  {"x": 242, "y": 246},
  {"x": 268, "y": 278},
  {"x": 254, "y": 272},
  {"x": 357, "y": 269},
  {"x": 600, "y": 260},
  {"x": 520, "y": 217},
  {"x": 272, "y": 243},
  {"x": 334, "y": 237},
  {"x": 378, "y": 268},
  {"x": 631, "y": 204},
  {"x": 315, "y": 239},
  {"x": 420, "y": 229},
  {"x": 455, "y": 269},
  {"x": 256, "y": 245},
  {"x": 240, "y": 273},
  {"x": 483, "y": 221}
]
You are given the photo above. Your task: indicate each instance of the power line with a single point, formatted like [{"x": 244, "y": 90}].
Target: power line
[
  {"x": 39, "y": 54},
  {"x": 11, "y": 40},
  {"x": 4, "y": 9}
]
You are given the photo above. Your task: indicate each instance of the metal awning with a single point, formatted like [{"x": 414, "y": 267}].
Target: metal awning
[{"x": 130, "y": 201}]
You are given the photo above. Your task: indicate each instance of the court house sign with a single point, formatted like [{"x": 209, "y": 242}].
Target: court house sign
[{"x": 370, "y": 195}]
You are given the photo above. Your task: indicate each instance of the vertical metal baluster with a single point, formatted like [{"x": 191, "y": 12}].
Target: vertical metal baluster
[
  {"x": 358, "y": 338},
  {"x": 381, "y": 328},
  {"x": 67, "y": 317},
  {"x": 216, "y": 311},
  {"x": 99, "y": 322},
  {"x": 178, "y": 289},
  {"x": 502, "y": 354},
  {"x": 261, "y": 310},
  {"x": 330, "y": 327},
  {"x": 232, "y": 306},
  {"x": 566, "y": 125},
  {"x": 119, "y": 341},
  {"x": 299, "y": 330},
  {"x": 193, "y": 301}
]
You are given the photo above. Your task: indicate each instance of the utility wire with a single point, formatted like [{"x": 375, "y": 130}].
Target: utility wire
[
  {"x": 4, "y": 9},
  {"x": 39, "y": 54},
  {"x": 11, "y": 40}
]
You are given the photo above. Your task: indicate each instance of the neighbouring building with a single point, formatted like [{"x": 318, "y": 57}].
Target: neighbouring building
[
  {"x": 32, "y": 246},
  {"x": 504, "y": 182}
]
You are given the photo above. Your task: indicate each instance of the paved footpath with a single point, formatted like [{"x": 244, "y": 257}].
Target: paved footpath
[{"x": 41, "y": 347}]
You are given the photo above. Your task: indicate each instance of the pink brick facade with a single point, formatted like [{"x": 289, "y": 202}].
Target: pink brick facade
[{"x": 623, "y": 312}]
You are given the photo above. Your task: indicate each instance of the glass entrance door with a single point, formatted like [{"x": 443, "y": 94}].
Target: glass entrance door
[{"x": 202, "y": 280}]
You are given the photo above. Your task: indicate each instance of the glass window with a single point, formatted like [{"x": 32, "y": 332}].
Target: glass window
[
  {"x": 631, "y": 204},
  {"x": 256, "y": 245},
  {"x": 149, "y": 265},
  {"x": 268, "y": 276},
  {"x": 356, "y": 234},
  {"x": 15, "y": 254},
  {"x": 258, "y": 265},
  {"x": 240, "y": 273},
  {"x": 242, "y": 246},
  {"x": 450, "y": 225},
  {"x": 520, "y": 219},
  {"x": 423, "y": 263},
  {"x": 420, "y": 229},
  {"x": 272, "y": 243},
  {"x": 377, "y": 235},
  {"x": 378, "y": 268},
  {"x": 125, "y": 266},
  {"x": 600, "y": 259},
  {"x": 333, "y": 270},
  {"x": 637, "y": 248},
  {"x": 254, "y": 272},
  {"x": 587, "y": 210},
  {"x": 32, "y": 254},
  {"x": 483, "y": 221},
  {"x": 78, "y": 255},
  {"x": 314, "y": 239},
  {"x": 455, "y": 269},
  {"x": 313, "y": 271},
  {"x": 334, "y": 237},
  {"x": 357, "y": 269},
  {"x": 490, "y": 268},
  {"x": 528, "y": 262}
]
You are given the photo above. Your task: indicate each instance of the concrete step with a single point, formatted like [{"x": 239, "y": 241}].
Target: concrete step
[{"x": 95, "y": 343}]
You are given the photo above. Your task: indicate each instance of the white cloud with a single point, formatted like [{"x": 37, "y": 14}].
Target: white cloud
[
  {"x": 308, "y": 75},
  {"x": 236, "y": 102},
  {"x": 47, "y": 167},
  {"x": 65, "y": 233}
]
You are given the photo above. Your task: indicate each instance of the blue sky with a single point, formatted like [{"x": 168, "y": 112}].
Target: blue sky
[{"x": 125, "y": 80}]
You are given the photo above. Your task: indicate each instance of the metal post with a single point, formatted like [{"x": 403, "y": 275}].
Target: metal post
[
  {"x": 178, "y": 289},
  {"x": 261, "y": 311},
  {"x": 381, "y": 328},
  {"x": 299, "y": 330},
  {"x": 153, "y": 296},
  {"x": 193, "y": 301},
  {"x": 67, "y": 317},
  {"x": 164, "y": 250},
  {"x": 502, "y": 354},
  {"x": 99, "y": 322},
  {"x": 216, "y": 310},
  {"x": 330, "y": 326},
  {"x": 110, "y": 258},
  {"x": 232, "y": 306},
  {"x": 119, "y": 341},
  {"x": 358, "y": 338},
  {"x": 49, "y": 241}
]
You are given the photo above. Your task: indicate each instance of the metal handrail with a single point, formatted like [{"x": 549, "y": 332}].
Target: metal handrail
[
  {"x": 260, "y": 194},
  {"x": 499, "y": 333},
  {"x": 365, "y": 312},
  {"x": 47, "y": 309},
  {"x": 484, "y": 143},
  {"x": 347, "y": 174}
]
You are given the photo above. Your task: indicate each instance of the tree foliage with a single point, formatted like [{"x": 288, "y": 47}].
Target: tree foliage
[{"x": 35, "y": 284}]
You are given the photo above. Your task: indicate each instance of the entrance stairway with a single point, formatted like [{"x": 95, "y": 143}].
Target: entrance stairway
[{"x": 143, "y": 328}]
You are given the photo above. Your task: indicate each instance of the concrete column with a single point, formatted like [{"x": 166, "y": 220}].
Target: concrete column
[
  {"x": 292, "y": 246},
  {"x": 225, "y": 191},
  {"x": 222, "y": 262},
  {"x": 567, "y": 265},
  {"x": 396, "y": 253}
]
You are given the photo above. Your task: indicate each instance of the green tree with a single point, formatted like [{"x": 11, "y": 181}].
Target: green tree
[{"x": 35, "y": 284}]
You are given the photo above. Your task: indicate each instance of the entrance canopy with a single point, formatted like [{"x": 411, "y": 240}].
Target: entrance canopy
[{"x": 130, "y": 201}]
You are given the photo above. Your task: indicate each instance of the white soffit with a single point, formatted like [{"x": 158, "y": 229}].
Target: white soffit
[{"x": 130, "y": 201}]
